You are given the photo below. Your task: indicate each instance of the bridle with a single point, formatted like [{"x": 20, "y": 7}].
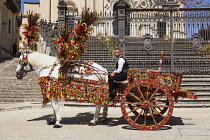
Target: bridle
[{"x": 24, "y": 62}]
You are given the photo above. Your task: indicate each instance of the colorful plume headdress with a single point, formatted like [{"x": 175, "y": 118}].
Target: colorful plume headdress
[
  {"x": 31, "y": 31},
  {"x": 70, "y": 43}
]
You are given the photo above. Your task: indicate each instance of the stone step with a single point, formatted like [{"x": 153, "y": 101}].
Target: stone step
[
  {"x": 32, "y": 96},
  {"x": 20, "y": 92},
  {"x": 196, "y": 80},
  {"x": 180, "y": 105},
  {"x": 203, "y": 95},
  {"x": 201, "y": 92},
  {"x": 33, "y": 86},
  {"x": 13, "y": 76},
  {"x": 18, "y": 83},
  {"x": 190, "y": 83},
  {"x": 16, "y": 100},
  {"x": 196, "y": 76},
  {"x": 19, "y": 89},
  {"x": 198, "y": 89},
  {"x": 196, "y": 86},
  {"x": 200, "y": 100}
]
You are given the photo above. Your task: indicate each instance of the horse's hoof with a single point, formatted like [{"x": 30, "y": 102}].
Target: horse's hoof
[
  {"x": 91, "y": 124},
  {"x": 57, "y": 126},
  {"x": 51, "y": 123}
]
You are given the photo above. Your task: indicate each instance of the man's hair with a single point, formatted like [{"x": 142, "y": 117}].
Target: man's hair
[{"x": 117, "y": 49}]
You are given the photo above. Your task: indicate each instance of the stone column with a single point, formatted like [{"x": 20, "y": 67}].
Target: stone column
[
  {"x": 62, "y": 8},
  {"x": 121, "y": 25},
  {"x": 171, "y": 6}
]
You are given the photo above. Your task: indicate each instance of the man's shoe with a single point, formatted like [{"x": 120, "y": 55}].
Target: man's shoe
[{"x": 109, "y": 99}]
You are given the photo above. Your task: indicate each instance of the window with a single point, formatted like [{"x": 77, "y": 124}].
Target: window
[
  {"x": 161, "y": 29},
  {"x": 9, "y": 26}
]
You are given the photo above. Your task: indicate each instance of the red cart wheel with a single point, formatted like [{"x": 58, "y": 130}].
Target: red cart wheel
[{"x": 146, "y": 104}]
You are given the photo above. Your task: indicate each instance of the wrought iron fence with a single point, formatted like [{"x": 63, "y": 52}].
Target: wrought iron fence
[{"x": 180, "y": 28}]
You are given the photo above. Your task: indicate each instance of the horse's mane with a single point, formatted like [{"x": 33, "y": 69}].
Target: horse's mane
[{"x": 41, "y": 60}]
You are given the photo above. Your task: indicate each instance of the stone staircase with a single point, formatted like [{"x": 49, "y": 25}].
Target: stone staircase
[
  {"x": 200, "y": 85},
  {"x": 14, "y": 90}
]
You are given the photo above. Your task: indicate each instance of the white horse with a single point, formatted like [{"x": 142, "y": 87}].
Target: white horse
[{"x": 42, "y": 64}]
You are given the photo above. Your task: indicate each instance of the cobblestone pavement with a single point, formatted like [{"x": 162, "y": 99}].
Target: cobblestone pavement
[{"x": 31, "y": 124}]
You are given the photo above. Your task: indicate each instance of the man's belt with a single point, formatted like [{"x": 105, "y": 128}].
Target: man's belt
[{"x": 125, "y": 70}]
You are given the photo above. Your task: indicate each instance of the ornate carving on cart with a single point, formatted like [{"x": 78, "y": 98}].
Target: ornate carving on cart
[
  {"x": 148, "y": 44},
  {"x": 197, "y": 42}
]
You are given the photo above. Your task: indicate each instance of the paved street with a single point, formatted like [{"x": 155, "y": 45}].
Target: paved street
[{"x": 30, "y": 124}]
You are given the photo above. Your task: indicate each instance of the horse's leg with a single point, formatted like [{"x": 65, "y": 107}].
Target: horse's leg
[
  {"x": 96, "y": 115},
  {"x": 55, "y": 106},
  {"x": 105, "y": 114},
  {"x": 53, "y": 120}
]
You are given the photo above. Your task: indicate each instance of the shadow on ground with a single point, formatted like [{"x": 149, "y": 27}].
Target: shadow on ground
[
  {"x": 3, "y": 59},
  {"x": 86, "y": 117}
]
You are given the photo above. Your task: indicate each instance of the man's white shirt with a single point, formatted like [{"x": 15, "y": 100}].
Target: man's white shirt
[{"x": 121, "y": 62}]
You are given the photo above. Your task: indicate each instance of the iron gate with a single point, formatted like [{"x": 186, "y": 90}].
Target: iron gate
[{"x": 180, "y": 28}]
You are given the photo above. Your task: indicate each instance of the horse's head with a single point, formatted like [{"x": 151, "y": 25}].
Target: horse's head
[{"x": 23, "y": 66}]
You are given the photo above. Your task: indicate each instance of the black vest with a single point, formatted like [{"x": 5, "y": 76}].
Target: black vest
[{"x": 125, "y": 66}]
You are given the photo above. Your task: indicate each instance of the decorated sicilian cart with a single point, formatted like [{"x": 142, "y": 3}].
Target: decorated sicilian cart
[{"x": 146, "y": 97}]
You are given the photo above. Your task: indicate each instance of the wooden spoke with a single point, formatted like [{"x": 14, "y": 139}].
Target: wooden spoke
[
  {"x": 135, "y": 96},
  {"x": 153, "y": 118},
  {"x": 138, "y": 115},
  {"x": 134, "y": 109},
  {"x": 160, "y": 105},
  {"x": 133, "y": 103},
  {"x": 145, "y": 118},
  {"x": 141, "y": 93},
  {"x": 157, "y": 111},
  {"x": 153, "y": 94},
  {"x": 158, "y": 99}
]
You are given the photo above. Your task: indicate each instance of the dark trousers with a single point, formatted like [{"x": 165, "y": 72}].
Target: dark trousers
[
  {"x": 14, "y": 53},
  {"x": 112, "y": 85}
]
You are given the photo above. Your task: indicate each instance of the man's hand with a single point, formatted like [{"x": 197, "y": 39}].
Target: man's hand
[{"x": 112, "y": 74}]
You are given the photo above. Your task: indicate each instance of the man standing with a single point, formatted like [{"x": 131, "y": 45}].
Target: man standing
[
  {"x": 14, "y": 49},
  {"x": 120, "y": 74}
]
